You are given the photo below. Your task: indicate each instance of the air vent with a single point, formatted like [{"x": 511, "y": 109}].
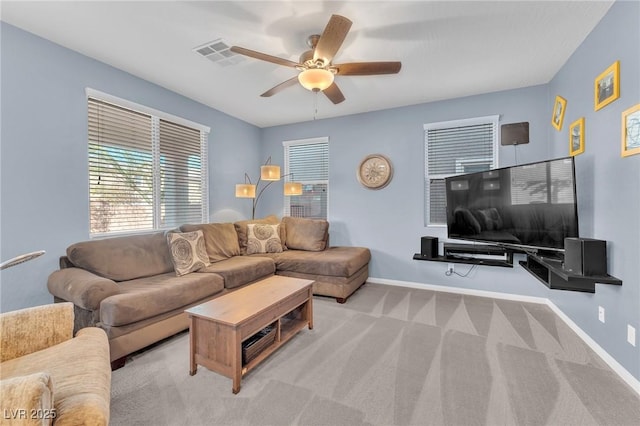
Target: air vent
[{"x": 218, "y": 51}]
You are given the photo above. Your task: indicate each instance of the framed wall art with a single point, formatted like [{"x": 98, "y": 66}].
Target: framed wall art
[
  {"x": 559, "y": 106},
  {"x": 606, "y": 87},
  {"x": 631, "y": 131},
  {"x": 576, "y": 137}
]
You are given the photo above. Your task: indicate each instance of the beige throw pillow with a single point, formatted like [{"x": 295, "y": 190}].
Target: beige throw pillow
[
  {"x": 263, "y": 238},
  {"x": 188, "y": 251},
  {"x": 241, "y": 230}
]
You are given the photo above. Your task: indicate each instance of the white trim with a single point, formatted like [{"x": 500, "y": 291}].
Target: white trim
[
  {"x": 463, "y": 122},
  {"x": 624, "y": 374},
  {"x": 96, "y": 94},
  {"x": 460, "y": 290},
  {"x": 310, "y": 141},
  {"x": 608, "y": 359}
]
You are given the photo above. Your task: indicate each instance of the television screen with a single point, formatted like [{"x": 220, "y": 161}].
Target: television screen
[{"x": 527, "y": 206}]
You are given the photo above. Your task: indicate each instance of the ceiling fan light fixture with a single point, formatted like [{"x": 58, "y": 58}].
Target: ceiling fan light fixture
[{"x": 316, "y": 79}]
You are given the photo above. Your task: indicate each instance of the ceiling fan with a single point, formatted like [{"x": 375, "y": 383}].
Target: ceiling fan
[{"x": 316, "y": 70}]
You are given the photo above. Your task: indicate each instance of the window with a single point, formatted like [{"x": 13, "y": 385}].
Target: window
[
  {"x": 452, "y": 148},
  {"x": 147, "y": 169},
  {"x": 307, "y": 161}
]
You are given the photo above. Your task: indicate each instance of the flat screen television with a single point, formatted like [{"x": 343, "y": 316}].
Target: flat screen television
[{"x": 532, "y": 206}]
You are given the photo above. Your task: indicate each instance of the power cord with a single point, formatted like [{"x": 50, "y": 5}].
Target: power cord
[{"x": 451, "y": 272}]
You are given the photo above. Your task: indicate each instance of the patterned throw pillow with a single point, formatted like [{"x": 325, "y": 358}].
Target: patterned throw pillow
[
  {"x": 188, "y": 251},
  {"x": 263, "y": 238}
]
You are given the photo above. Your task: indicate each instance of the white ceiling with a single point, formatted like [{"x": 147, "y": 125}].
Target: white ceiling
[{"x": 448, "y": 49}]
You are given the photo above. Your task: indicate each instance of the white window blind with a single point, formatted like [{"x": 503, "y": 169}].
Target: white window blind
[
  {"x": 145, "y": 172},
  {"x": 452, "y": 148},
  {"x": 307, "y": 162}
]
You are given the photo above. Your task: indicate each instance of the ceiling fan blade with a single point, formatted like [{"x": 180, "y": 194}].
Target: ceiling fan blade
[
  {"x": 368, "y": 68},
  {"x": 263, "y": 56},
  {"x": 331, "y": 39},
  {"x": 333, "y": 93},
  {"x": 280, "y": 87}
]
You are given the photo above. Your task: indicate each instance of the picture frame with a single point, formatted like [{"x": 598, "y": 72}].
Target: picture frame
[
  {"x": 576, "y": 137},
  {"x": 559, "y": 107},
  {"x": 631, "y": 131},
  {"x": 606, "y": 87}
]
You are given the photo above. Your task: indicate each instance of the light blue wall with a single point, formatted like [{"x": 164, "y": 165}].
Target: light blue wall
[
  {"x": 608, "y": 185},
  {"x": 390, "y": 221},
  {"x": 44, "y": 176},
  {"x": 44, "y": 154}
]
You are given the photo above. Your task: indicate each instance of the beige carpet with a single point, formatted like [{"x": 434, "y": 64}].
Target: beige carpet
[{"x": 392, "y": 356}]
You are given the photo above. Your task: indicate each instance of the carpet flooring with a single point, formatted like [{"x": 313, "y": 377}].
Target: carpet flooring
[{"x": 391, "y": 356}]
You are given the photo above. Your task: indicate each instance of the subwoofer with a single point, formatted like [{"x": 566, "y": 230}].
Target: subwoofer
[
  {"x": 429, "y": 247},
  {"x": 585, "y": 256}
]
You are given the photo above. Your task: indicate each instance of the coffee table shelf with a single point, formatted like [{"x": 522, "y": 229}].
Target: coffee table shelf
[
  {"x": 284, "y": 333},
  {"x": 218, "y": 327}
]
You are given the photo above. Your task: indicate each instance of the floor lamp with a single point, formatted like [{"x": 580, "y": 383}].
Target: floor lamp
[{"x": 268, "y": 173}]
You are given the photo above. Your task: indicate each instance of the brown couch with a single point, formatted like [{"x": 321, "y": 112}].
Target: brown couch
[
  {"x": 41, "y": 378},
  {"x": 128, "y": 285}
]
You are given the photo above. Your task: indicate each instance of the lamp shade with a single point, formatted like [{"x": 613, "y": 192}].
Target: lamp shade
[
  {"x": 270, "y": 172},
  {"x": 292, "y": 188},
  {"x": 245, "y": 190},
  {"x": 315, "y": 79}
]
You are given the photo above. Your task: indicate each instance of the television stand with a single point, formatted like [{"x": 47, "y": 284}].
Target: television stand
[
  {"x": 473, "y": 254},
  {"x": 550, "y": 271}
]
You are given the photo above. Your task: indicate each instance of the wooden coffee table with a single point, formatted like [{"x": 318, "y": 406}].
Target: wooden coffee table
[{"x": 218, "y": 327}]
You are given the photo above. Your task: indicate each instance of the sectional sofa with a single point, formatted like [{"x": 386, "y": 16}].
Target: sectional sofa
[{"x": 137, "y": 287}]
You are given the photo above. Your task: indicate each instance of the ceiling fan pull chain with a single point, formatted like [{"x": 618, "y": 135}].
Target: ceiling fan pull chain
[{"x": 315, "y": 104}]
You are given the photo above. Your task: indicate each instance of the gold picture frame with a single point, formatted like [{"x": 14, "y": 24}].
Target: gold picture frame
[
  {"x": 559, "y": 106},
  {"x": 606, "y": 87},
  {"x": 576, "y": 137},
  {"x": 631, "y": 131}
]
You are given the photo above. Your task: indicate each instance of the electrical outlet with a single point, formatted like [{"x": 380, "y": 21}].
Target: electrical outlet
[
  {"x": 631, "y": 335},
  {"x": 450, "y": 268},
  {"x": 601, "y": 314}
]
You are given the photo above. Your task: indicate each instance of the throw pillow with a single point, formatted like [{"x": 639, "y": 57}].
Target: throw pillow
[
  {"x": 263, "y": 238},
  {"x": 241, "y": 230},
  {"x": 188, "y": 251},
  {"x": 220, "y": 239},
  {"x": 306, "y": 234}
]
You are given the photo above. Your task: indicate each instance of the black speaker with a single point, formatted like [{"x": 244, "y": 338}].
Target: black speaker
[
  {"x": 585, "y": 256},
  {"x": 429, "y": 247}
]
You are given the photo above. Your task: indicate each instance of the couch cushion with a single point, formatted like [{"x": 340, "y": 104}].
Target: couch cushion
[
  {"x": 306, "y": 234},
  {"x": 334, "y": 261},
  {"x": 220, "y": 239},
  {"x": 147, "y": 297},
  {"x": 123, "y": 258},
  {"x": 242, "y": 230},
  {"x": 263, "y": 238},
  {"x": 188, "y": 252},
  {"x": 240, "y": 270}
]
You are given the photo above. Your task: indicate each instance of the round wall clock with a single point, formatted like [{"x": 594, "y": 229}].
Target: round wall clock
[{"x": 375, "y": 171}]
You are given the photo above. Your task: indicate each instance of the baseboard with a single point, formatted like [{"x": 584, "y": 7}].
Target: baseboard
[
  {"x": 459, "y": 290},
  {"x": 611, "y": 361},
  {"x": 624, "y": 374}
]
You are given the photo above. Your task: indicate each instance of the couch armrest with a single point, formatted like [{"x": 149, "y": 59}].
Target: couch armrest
[
  {"x": 25, "y": 396},
  {"x": 85, "y": 289},
  {"x": 32, "y": 329}
]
